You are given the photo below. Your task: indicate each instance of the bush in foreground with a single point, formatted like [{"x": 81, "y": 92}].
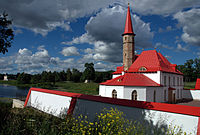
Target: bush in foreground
[{"x": 32, "y": 122}]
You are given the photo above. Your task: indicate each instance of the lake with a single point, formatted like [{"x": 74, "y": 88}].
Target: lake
[{"x": 12, "y": 91}]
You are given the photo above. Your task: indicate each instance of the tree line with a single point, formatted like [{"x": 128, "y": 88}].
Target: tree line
[
  {"x": 190, "y": 70},
  {"x": 69, "y": 75}
]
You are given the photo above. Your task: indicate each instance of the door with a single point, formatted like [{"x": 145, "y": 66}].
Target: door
[{"x": 170, "y": 96}]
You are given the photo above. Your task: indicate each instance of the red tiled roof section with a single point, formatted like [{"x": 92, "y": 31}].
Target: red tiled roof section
[
  {"x": 197, "y": 86},
  {"x": 153, "y": 61},
  {"x": 131, "y": 79}
]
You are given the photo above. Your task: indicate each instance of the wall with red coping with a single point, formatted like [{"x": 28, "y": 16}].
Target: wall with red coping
[{"x": 180, "y": 115}]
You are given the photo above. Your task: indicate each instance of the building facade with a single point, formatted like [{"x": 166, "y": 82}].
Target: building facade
[{"x": 148, "y": 76}]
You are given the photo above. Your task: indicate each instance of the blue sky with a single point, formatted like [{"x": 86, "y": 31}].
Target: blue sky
[{"x": 55, "y": 35}]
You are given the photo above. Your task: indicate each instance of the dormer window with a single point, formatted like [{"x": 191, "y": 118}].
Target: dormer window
[
  {"x": 142, "y": 69},
  {"x": 119, "y": 80}
]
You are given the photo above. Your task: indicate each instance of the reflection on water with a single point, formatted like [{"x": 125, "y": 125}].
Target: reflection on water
[{"x": 13, "y": 91}]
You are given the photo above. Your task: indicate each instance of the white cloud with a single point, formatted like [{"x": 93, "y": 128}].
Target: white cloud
[
  {"x": 7, "y": 64},
  {"x": 107, "y": 39},
  {"x": 189, "y": 20},
  {"x": 160, "y": 7},
  {"x": 181, "y": 48},
  {"x": 160, "y": 45},
  {"x": 70, "y": 51},
  {"x": 42, "y": 16}
]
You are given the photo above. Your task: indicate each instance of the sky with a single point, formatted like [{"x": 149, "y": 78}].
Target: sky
[{"x": 53, "y": 35}]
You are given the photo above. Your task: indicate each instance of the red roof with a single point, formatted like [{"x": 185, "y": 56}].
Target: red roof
[
  {"x": 197, "y": 86},
  {"x": 153, "y": 61},
  {"x": 119, "y": 70},
  {"x": 131, "y": 79},
  {"x": 128, "y": 26}
]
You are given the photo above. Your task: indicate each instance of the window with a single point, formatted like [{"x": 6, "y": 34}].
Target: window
[
  {"x": 165, "y": 82},
  {"x": 181, "y": 93},
  {"x": 142, "y": 69},
  {"x": 173, "y": 81},
  {"x": 165, "y": 94},
  {"x": 154, "y": 96},
  {"x": 114, "y": 94},
  {"x": 177, "y": 93},
  {"x": 177, "y": 81},
  {"x": 169, "y": 81},
  {"x": 134, "y": 95},
  {"x": 125, "y": 38}
]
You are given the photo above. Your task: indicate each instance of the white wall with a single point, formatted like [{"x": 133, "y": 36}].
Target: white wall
[
  {"x": 153, "y": 76},
  {"x": 115, "y": 75},
  {"x": 49, "y": 103},
  {"x": 191, "y": 94},
  {"x": 106, "y": 91},
  {"x": 187, "y": 122},
  {"x": 141, "y": 92},
  {"x": 159, "y": 94}
]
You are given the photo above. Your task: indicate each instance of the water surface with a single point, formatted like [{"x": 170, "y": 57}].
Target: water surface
[{"x": 12, "y": 91}]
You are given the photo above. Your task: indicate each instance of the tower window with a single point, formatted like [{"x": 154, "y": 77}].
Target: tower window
[
  {"x": 134, "y": 95},
  {"x": 142, "y": 69},
  {"x": 125, "y": 38},
  {"x": 114, "y": 94}
]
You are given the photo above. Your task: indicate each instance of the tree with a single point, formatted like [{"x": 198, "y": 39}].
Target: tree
[
  {"x": 69, "y": 75},
  {"x": 197, "y": 67},
  {"x": 24, "y": 78},
  {"x": 6, "y": 33},
  {"x": 76, "y": 75},
  {"x": 89, "y": 72}
]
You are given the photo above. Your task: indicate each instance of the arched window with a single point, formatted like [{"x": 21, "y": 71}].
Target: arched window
[
  {"x": 154, "y": 96},
  {"x": 114, "y": 94},
  {"x": 134, "y": 95}
]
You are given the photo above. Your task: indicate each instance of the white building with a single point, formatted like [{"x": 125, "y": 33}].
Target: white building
[
  {"x": 148, "y": 76},
  {"x": 5, "y": 78}
]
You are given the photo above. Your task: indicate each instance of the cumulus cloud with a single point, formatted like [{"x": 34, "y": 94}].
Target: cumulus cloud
[
  {"x": 107, "y": 39},
  {"x": 42, "y": 16},
  {"x": 27, "y": 61},
  {"x": 160, "y": 7},
  {"x": 189, "y": 20},
  {"x": 70, "y": 51}
]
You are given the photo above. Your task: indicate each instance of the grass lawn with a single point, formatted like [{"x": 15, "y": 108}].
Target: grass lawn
[
  {"x": 189, "y": 85},
  {"x": 83, "y": 88}
]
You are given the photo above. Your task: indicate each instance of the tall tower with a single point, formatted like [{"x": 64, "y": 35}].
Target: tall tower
[{"x": 128, "y": 42}]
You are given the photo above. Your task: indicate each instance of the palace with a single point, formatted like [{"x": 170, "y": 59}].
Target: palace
[{"x": 148, "y": 76}]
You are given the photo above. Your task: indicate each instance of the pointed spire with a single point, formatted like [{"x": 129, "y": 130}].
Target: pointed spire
[{"x": 128, "y": 26}]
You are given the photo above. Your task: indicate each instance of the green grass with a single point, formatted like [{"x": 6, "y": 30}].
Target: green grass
[
  {"x": 189, "y": 85},
  {"x": 83, "y": 88}
]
